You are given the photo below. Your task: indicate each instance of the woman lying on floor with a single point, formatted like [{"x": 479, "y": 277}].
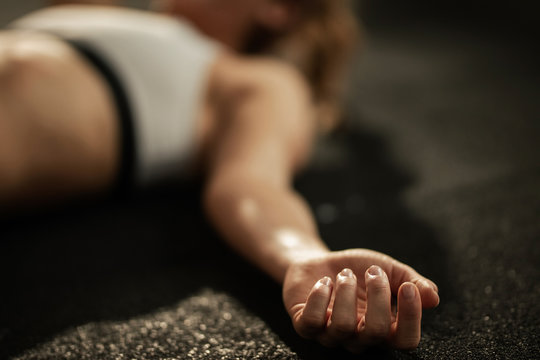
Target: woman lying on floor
[{"x": 95, "y": 96}]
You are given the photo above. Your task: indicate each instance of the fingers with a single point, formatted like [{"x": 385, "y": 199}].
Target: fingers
[
  {"x": 344, "y": 324},
  {"x": 428, "y": 289},
  {"x": 313, "y": 319},
  {"x": 378, "y": 313},
  {"x": 428, "y": 292},
  {"x": 376, "y": 325},
  {"x": 344, "y": 320},
  {"x": 406, "y": 330}
]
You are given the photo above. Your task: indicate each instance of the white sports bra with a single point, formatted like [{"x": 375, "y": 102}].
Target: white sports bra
[{"x": 162, "y": 64}]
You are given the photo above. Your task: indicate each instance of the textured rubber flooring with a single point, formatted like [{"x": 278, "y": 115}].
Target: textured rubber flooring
[
  {"x": 440, "y": 168},
  {"x": 194, "y": 328}
]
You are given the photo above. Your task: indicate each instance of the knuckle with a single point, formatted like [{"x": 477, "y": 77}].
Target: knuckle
[
  {"x": 409, "y": 316},
  {"x": 308, "y": 327},
  {"x": 305, "y": 332},
  {"x": 342, "y": 328},
  {"x": 311, "y": 322},
  {"x": 378, "y": 330},
  {"x": 347, "y": 284},
  {"x": 378, "y": 286}
]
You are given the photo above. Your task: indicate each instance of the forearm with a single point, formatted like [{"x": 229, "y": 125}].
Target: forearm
[
  {"x": 271, "y": 226},
  {"x": 264, "y": 136}
]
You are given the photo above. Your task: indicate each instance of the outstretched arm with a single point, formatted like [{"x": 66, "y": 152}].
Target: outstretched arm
[{"x": 264, "y": 137}]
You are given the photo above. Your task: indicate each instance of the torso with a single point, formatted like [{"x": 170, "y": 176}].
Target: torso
[{"x": 165, "y": 73}]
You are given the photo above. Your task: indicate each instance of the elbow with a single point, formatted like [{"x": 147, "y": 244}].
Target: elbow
[
  {"x": 230, "y": 203},
  {"x": 229, "y": 212}
]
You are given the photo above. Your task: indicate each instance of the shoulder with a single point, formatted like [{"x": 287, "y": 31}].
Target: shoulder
[
  {"x": 268, "y": 105},
  {"x": 233, "y": 73}
]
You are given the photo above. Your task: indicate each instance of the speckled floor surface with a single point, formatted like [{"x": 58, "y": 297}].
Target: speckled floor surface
[{"x": 440, "y": 168}]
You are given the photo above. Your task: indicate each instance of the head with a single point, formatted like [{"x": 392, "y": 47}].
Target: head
[
  {"x": 232, "y": 21},
  {"x": 316, "y": 36}
]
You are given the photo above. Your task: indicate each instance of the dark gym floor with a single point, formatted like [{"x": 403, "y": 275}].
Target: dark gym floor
[{"x": 439, "y": 167}]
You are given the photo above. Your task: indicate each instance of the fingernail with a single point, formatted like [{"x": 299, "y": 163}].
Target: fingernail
[
  {"x": 375, "y": 271},
  {"x": 346, "y": 272},
  {"x": 325, "y": 281},
  {"x": 408, "y": 291}
]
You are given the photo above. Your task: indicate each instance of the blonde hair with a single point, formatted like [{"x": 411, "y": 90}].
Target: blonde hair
[{"x": 320, "y": 45}]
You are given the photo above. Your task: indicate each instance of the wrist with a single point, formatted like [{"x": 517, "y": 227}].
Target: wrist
[
  {"x": 306, "y": 254},
  {"x": 296, "y": 249}
]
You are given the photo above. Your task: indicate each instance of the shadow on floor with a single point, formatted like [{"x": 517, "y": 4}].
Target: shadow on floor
[{"x": 116, "y": 259}]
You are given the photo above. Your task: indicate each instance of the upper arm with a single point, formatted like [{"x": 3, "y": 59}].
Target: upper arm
[{"x": 266, "y": 123}]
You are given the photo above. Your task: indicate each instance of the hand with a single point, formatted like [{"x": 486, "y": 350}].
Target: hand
[{"x": 328, "y": 302}]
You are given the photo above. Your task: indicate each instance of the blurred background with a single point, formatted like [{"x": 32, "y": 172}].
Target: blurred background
[{"x": 439, "y": 166}]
